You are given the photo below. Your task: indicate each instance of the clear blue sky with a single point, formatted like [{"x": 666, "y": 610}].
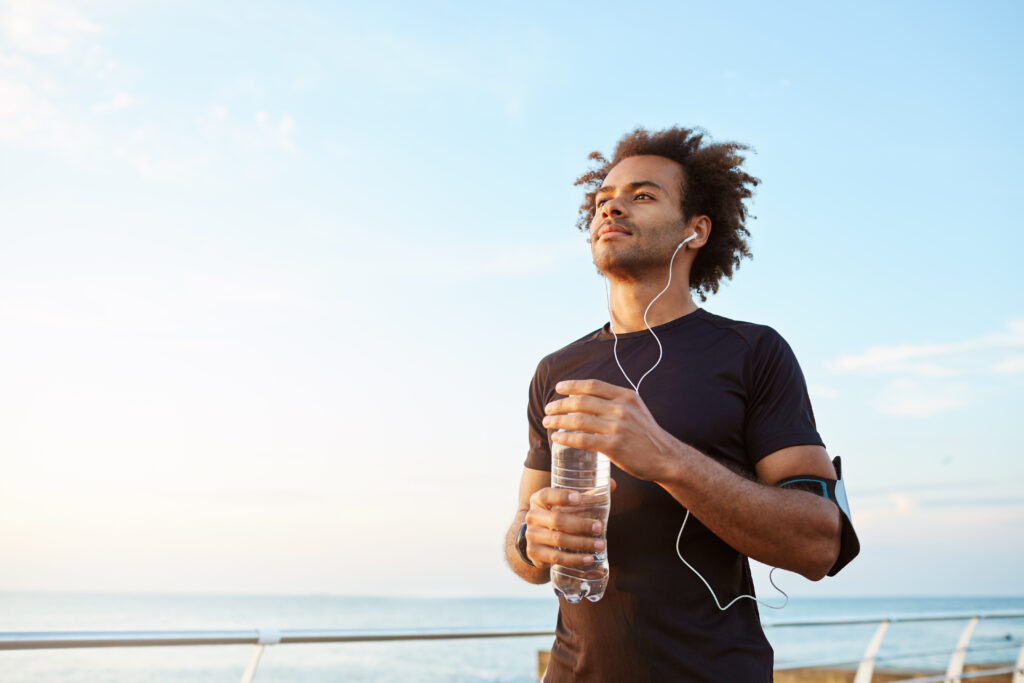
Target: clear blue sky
[{"x": 259, "y": 260}]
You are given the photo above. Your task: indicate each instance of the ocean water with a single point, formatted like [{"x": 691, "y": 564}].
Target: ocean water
[{"x": 511, "y": 660}]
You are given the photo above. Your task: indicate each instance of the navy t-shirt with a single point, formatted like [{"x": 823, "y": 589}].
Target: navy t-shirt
[{"x": 732, "y": 390}]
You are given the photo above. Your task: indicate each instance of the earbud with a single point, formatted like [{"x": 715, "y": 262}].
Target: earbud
[{"x": 691, "y": 237}]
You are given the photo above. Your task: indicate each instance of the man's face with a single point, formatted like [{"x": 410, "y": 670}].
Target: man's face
[{"x": 638, "y": 218}]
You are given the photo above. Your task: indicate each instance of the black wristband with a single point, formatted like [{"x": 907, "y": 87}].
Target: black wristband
[{"x": 521, "y": 545}]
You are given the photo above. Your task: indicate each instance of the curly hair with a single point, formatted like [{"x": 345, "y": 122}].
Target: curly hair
[{"x": 714, "y": 185}]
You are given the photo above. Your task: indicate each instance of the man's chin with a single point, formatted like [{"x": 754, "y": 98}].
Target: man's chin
[{"x": 620, "y": 267}]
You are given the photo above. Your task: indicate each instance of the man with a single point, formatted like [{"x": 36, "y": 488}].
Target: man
[{"x": 719, "y": 423}]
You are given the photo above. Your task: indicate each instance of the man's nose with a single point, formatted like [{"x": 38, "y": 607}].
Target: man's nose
[{"x": 612, "y": 208}]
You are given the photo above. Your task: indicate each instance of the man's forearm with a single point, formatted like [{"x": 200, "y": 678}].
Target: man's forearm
[
  {"x": 783, "y": 528},
  {"x": 524, "y": 571}
]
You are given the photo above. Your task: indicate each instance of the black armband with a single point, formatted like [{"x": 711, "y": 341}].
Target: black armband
[{"x": 834, "y": 490}]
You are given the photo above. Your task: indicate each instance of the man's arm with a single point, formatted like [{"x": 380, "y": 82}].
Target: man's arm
[
  {"x": 549, "y": 531},
  {"x": 784, "y": 528}
]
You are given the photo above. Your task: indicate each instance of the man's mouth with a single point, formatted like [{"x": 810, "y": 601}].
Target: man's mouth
[{"x": 611, "y": 230}]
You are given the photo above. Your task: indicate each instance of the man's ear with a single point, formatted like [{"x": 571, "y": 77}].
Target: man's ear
[{"x": 701, "y": 227}]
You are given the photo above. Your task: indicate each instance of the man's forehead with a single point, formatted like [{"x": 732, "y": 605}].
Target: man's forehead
[{"x": 645, "y": 169}]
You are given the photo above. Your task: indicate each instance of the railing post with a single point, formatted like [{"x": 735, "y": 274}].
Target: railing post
[
  {"x": 867, "y": 665},
  {"x": 250, "y": 670},
  {"x": 264, "y": 636},
  {"x": 1018, "y": 673},
  {"x": 956, "y": 662}
]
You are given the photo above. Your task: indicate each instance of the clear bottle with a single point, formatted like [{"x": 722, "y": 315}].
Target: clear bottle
[{"x": 588, "y": 473}]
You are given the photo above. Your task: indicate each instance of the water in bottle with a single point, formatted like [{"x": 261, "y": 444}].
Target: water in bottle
[{"x": 588, "y": 473}]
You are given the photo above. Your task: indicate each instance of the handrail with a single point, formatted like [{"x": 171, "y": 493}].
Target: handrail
[
  {"x": 263, "y": 637},
  {"x": 893, "y": 618},
  {"x": 17, "y": 640},
  {"x": 82, "y": 639}
]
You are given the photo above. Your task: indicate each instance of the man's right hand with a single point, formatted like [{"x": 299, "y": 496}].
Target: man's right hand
[{"x": 552, "y": 529}]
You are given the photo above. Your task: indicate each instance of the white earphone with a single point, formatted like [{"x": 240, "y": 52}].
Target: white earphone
[
  {"x": 636, "y": 388},
  {"x": 691, "y": 237}
]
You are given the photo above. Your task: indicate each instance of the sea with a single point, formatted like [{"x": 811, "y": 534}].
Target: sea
[{"x": 511, "y": 660}]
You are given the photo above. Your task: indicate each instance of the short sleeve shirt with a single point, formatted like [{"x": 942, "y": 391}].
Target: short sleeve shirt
[{"x": 732, "y": 390}]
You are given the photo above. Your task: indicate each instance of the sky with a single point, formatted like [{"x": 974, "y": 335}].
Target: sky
[{"x": 274, "y": 277}]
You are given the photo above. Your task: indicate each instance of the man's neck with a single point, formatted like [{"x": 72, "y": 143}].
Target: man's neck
[{"x": 629, "y": 300}]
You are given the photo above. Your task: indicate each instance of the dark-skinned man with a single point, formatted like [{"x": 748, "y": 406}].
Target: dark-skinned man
[{"x": 722, "y": 428}]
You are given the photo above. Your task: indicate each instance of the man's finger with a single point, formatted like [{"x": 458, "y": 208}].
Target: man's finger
[
  {"x": 585, "y": 441},
  {"x": 579, "y": 422},
  {"x": 549, "y": 497},
  {"x": 579, "y": 404},
  {"x": 564, "y": 541},
  {"x": 546, "y": 555},
  {"x": 561, "y": 520},
  {"x": 590, "y": 387}
]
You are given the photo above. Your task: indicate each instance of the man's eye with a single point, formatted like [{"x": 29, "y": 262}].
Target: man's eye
[
  {"x": 643, "y": 195},
  {"x": 601, "y": 201}
]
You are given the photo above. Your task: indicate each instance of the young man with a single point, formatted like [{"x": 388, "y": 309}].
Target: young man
[{"x": 719, "y": 423}]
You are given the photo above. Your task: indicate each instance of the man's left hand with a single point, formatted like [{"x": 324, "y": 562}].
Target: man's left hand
[{"x": 598, "y": 416}]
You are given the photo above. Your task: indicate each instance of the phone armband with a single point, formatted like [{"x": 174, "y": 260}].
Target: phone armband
[{"x": 834, "y": 490}]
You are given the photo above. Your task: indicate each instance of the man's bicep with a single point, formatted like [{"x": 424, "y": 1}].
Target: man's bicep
[
  {"x": 792, "y": 461},
  {"x": 529, "y": 483}
]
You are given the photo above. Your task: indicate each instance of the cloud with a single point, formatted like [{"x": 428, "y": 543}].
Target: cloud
[
  {"x": 979, "y": 499},
  {"x": 280, "y": 133},
  {"x": 34, "y": 112},
  {"x": 43, "y": 27},
  {"x": 907, "y": 397},
  {"x": 920, "y": 385},
  {"x": 28, "y": 118},
  {"x": 119, "y": 101},
  {"x": 263, "y": 130},
  {"x": 59, "y": 87},
  {"x": 822, "y": 391},
  {"x": 940, "y": 489},
  {"x": 1009, "y": 366},
  {"x": 927, "y": 360}
]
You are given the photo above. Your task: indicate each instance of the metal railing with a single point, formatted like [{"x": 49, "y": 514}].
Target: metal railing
[
  {"x": 262, "y": 638},
  {"x": 958, "y": 655}
]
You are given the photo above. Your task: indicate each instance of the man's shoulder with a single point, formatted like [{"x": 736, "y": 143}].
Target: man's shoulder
[
  {"x": 574, "y": 349},
  {"x": 754, "y": 335}
]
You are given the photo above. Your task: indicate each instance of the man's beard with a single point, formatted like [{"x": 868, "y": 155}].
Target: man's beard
[
  {"x": 640, "y": 261},
  {"x": 630, "y": 266}
]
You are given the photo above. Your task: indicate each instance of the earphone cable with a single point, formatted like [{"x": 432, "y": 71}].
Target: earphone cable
[{"x": 636, "y": 388}]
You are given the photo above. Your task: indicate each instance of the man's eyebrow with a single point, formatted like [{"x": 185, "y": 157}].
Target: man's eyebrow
[{"x": 631, "y": 186}]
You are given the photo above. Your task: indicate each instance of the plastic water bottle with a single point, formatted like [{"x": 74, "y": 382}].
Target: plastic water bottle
[{"x": 588, "y": 473}]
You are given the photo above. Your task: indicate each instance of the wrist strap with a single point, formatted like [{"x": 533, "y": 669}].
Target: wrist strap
[{"x": 521, "y": 545}]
